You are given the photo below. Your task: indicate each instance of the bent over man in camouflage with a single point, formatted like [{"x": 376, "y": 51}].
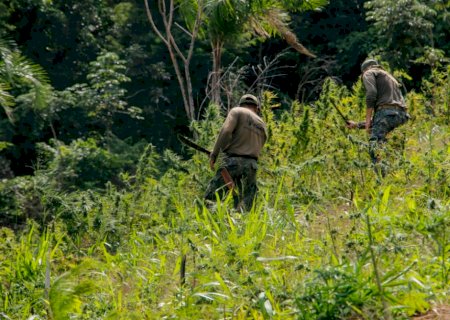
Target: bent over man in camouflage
[
  {"x": 386, "y": 107},
  {"x": 241, "y": 139}
]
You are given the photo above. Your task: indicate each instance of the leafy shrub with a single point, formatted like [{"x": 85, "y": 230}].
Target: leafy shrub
[
  {"x": 20, "y": 199},
  {"x": 304, "y": 245},
  {"x": 334, "y": 293},
  {"x": 85, "y": 164}
]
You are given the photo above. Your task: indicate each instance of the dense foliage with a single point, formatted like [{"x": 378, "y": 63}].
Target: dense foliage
[{"x": 101, "y": 212}]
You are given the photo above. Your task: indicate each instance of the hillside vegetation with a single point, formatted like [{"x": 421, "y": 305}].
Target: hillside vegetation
[
  {"x": 326, "y": 238},
  {"x": 101, "y": 205}
]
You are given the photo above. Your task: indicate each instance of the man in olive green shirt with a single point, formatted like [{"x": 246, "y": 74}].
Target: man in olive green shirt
[
  {"x": 241, "y": 139},
  {"x": 386, "y": 107}
]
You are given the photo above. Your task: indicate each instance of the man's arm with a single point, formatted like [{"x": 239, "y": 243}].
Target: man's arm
[
  {"x": 370, "y": 84},
  {"x": 224, "y": 138},
  {"x": 369, "y": 114},
  {"x": 363, "y": 124}
]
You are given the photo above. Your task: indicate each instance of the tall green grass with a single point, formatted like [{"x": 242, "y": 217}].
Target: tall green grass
[{"x": 325, "y": 239}]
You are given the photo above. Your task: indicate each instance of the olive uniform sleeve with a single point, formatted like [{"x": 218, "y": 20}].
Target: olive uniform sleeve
[
  {"x": 370, "y": 84},
  {"x": 226, "y": 133}
]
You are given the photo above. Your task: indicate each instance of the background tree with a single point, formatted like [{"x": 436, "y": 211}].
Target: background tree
[
  {"x": 403, "y": 29},
  {"x": 61, "y": 36},
  {"x": 106, "y": 77},
  {"x": 340, "y": 33},
  {"x": 229, "y": 22},
  {"x": 66, "y": 39},
  {"x": 441, "y": 30},
  {"x": 18, "y": 75},
  {"x": 24, "y": 96},
  {"x": 167, "y": 12}
]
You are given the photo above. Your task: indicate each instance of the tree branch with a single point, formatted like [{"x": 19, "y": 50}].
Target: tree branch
[{"x": 152, "y": 23}]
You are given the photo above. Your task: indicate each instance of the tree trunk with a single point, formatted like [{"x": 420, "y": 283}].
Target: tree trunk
[
  {"x": 176, "y": 55},
  {"x": 215, "y": 75}
]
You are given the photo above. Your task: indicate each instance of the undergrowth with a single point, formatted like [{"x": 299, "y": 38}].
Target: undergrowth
[{"x": 326, "y": 238}]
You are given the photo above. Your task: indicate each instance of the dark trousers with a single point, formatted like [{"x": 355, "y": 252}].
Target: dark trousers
[
  {"x": 384, "y": 121},
  {"x": 243, "y": 173}
]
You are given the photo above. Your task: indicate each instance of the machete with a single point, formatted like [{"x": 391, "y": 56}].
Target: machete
[
  {"x": 339, "y": 111},
  {"x": 359, "y": 125},
  {"x": 224, "y": 172},
  {"x": 193, "y": 145}
]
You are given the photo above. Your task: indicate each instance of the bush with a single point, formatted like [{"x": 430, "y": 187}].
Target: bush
[
  {"x": 85, "y": 164},
  {"x": 20, "y": 199}
]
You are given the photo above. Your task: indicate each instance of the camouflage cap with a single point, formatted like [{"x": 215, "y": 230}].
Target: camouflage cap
[
  {"x": 249, "y": 99},
  {"x": 368, "y": 63}
]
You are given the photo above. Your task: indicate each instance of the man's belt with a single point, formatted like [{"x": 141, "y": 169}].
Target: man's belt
[
  {"x": 390, "y": 106},
  {"x": 241, "y": 156}
]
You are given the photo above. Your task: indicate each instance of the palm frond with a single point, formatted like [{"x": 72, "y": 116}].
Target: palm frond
[
  {"x": 6, "y": 65},
  {"x": 304, "y": 5},
  {"x": 278, "y": 21},
  {"x": 188, "y": 10},
  {"x": 15, "y": 69},
  {"x": 6, "y": 46},
  {"x": 6, "y": 100},
  {"x": 225, "y": 19},
  {"x": 292, "y": 40}
]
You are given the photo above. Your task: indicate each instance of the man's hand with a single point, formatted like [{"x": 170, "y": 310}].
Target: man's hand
[{"x": 352, "y": 124}]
